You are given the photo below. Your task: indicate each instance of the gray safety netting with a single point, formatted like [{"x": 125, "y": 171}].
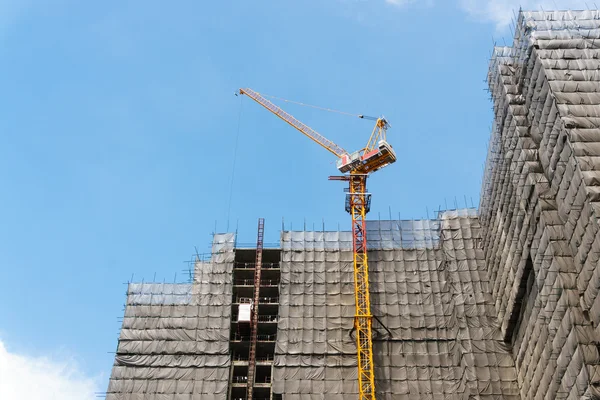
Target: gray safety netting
[
  {"x": 146, "y": 294},
  {"x": 174, "y": 342},
  {"x": 437, "y": 338},
  {"x": 381, "y": 235},
  {"x": 540, "y": 201},
  {"x": 503, "y": 305}
]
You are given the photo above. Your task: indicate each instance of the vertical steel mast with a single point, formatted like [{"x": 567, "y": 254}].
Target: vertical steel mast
[
  {"x": 254, "y": 327},
  {"x": 359, "y": 205}
]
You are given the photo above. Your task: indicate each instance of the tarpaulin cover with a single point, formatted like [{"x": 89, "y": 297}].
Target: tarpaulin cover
[
  {"x": 503, "y": 305},
  {"x": 381, "y": 235},
  {"x": 174, "y": 342},
  {"x": 540, "y": 201},
  {"x": 437, "y": 338}
]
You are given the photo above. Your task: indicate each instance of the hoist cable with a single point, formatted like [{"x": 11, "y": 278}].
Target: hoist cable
[
  {"x": 319, "y": 108},
  {"x": 235, "y": 148}
]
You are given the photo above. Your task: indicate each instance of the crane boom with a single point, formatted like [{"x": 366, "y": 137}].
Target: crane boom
[{"x": 306, "y": 130}]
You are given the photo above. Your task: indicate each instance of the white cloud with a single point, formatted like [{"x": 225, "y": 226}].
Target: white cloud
[
  {"x": 41, "y": 378},
  {"x": 501, "y": 12}
]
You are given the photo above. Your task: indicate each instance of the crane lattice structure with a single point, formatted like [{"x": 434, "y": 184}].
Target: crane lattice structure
[
  {"x": 357, "y": 166},
  {"x": 256, "y": 299}
]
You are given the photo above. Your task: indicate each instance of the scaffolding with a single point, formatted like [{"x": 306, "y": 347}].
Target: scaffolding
[
  {"x": 174, "y": 338},
  {"x": 540, "y": 201},
  {"x": 427, "y": 290},
  {"x": 436, "y": 337},
  {"x": 497, "y": 304}
]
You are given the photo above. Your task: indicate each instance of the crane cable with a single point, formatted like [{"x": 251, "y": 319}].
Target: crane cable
[
  {"x": 320, "y": 108},
  {"x": 235, "y": 148}
]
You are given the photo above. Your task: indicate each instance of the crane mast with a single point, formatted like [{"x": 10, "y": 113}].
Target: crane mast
[
  {"x": 359, "y": 204},
  {"x": 375, "y": 155}
]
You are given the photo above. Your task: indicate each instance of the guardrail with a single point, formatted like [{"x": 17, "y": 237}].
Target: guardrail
[
  {"x": 250, "y": 282},
  {"x": 261, "y": 300},
  {"x": 240, "y": 265}
]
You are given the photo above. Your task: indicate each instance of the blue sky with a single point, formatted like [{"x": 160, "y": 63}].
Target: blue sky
[{"x": 118, "y": 125}]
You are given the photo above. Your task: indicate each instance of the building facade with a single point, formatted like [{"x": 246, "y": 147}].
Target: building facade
[
  {"x": 539, "y": 205},
  {"x": 496, "y": 303}
]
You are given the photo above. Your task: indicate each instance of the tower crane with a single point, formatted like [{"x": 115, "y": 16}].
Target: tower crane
[{"x": 356, "y": 166}]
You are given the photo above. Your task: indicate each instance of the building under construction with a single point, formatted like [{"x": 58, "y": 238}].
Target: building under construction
[{"x": 496, "y": 303}]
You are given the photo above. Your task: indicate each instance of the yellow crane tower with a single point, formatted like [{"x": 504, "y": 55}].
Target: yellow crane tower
[{"x": 357, "y": 166}]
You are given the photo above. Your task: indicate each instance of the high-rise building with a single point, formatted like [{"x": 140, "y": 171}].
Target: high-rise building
[{"x": 496, "y": 303}]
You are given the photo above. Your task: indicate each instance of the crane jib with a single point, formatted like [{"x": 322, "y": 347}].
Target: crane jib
[{"x": 306, "y": 130}]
